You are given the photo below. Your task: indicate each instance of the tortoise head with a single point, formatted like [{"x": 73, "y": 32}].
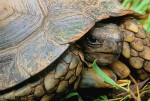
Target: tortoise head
[{"x": 104, "y": 43}]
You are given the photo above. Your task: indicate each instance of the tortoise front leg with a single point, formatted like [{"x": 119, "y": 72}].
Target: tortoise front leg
[
  {"x": 57, "y": 79},
  {"x": 136, "y": 46},
  {"x": 91, "y": 79}
]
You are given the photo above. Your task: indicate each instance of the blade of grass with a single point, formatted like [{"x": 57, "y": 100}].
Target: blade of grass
[
  {"x": 135, "y": 3},
  {"x": 140, "y": 6},
  {"x": 124, "y": 82},
  {"x": 147, "y": 24},
  {"x": 71, "y": 94},
  {"x": 137, "y": 87},
  {"x": 126, "y": 2},
  {"x": 104, "y": 97},
  {"x": 101, "y": 98},
  {"x": 124, "y": 98},
  {"x": 103, "y": 76},
  {"x": 108, "y": 80}
]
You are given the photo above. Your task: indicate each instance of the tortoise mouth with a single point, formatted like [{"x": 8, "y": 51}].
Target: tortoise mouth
[{"x": 103, "y": 58}]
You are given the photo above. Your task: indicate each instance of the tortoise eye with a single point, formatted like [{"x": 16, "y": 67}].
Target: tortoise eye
[{"x": 91, "y": 39}]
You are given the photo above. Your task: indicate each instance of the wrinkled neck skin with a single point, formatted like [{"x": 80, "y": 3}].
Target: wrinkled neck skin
[{"x": 104, "y": 43}]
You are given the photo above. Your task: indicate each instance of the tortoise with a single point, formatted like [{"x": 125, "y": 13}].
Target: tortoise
[{"x": 47, "y": 46}]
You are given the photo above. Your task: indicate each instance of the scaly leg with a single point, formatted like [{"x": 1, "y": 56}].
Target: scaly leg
[
  {"x": 136, "y": 48},
  {"x": 60, "y": 77}
]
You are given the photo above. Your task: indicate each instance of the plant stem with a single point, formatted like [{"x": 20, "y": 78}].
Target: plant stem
[
  {"x": 137, "y": 87},
  {"x": 127, "y": 91}
]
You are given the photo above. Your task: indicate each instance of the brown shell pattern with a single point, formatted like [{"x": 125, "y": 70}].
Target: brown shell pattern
[{"x": 34, "y": 33}]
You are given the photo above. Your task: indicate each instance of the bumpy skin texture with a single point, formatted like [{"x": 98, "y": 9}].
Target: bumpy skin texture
[
  {"x": 34, "y": 33},
  {"x": 107, "y": 46},
  {"x": 35, "y": 44},
  {"x": 135, "y": 50},
  {"x": 136, "y": 47},
  {"x": 64, "y": 75}
]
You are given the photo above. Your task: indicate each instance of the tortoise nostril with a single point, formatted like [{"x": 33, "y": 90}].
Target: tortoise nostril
[{"x": 110, "y": 44}]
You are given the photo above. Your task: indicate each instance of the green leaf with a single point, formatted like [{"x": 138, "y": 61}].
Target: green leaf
[
  {"x": 103, "y": 76},
  {"x": 143, "y": 4},
  {"x": 126, "y": 2},
  {"x": 135, "y": 4},
  {"x": 104, "y": 97},
  {"x": 71, "y": 94},
  {"x": 140, "y": 6},
  {"x": 147, "y": 24},
  {"x": 101, "y": 98}
]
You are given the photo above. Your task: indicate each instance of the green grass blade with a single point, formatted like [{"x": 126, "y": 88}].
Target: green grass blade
[
  {"x": 147, "y": 24},
  {"x": 71, "y": 94},
  {"x": 103, "y": 76},
  {"x": 135, "y": 4},
  {"x": 140, "y": 6},
  {"x": 101, "y": 98},
  {"x": 126, "y": 2},
  {"x": 143, "y": 3},
  {"x": 104, "y": 97}
]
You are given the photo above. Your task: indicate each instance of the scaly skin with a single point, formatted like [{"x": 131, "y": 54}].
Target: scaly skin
[
  {"x": 66, "y": 75},
  {"x": 38, "y": 29},
  {"x": 136, "y": 49},
  {"x": 56, "y": 79}
]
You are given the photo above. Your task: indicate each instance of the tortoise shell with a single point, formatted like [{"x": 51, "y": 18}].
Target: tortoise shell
[{"x": 34, "y": 33}]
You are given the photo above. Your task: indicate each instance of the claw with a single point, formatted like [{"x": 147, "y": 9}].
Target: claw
[{"x": 120, "y": 69}]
